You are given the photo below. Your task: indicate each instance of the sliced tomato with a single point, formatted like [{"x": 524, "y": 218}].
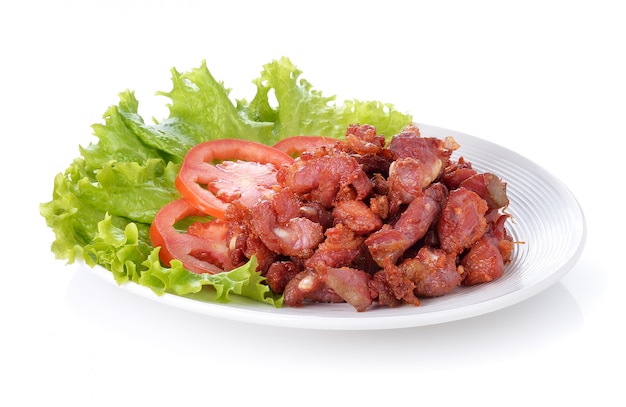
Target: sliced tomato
[
  {"x": 201, "y": 250},
  {"x": 247, "y": 170},
  {"x": 296, "y": 145}
]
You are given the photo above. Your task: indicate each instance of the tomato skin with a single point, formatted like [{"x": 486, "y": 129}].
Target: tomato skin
[
  {"x": 296, "y": 145},
  {"x": 197, "y": 169},
  {"x": 185, "y": 246}
]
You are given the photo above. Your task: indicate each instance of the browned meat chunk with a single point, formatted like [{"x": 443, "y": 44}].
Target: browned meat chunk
[
  {"x": 483, "y": 262},
  {"x": 392, "y": 287},
  {"x": 279, "y": 274},
  {"x": 364, "y": 140},
  {"x": 297, "y": 237},
  {"x": 350, "y": 284},
  {"x": 457, "y": 172},
  {"x": 340, "y": 248},
  {"x": 308, "y": 285},
  {"x": 433, "y": 271},
  {"x": 407, "y": 179},
  {"x": 498, "y": 231},
  {"x": 486, "y": 258},
  {"x": 489, "y": 187},
  {"x": 432, "y": 153},
  {"x": 462, "y": 222},
  {"x": 357, "y": 216},
  {"x": 388, "y": 244},
  {"x": 325, "y": 176},
  {"x": 379, "y": 205},
  {"x": 242, "y": 243}
]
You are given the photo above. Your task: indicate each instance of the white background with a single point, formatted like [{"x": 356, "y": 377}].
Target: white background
[{"x": 543, "y": 78}]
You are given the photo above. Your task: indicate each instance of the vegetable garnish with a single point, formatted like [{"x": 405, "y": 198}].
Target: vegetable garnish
[
  {"x": 201, "y": 237},
  {"x": 246, "y": 179},
  {"x": 104, "y": 203}
]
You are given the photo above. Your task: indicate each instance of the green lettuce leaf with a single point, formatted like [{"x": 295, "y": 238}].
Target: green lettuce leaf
[
  {"x": 305, "y": 111},
  {"x": 116, "y": 140},
  {"x": 131, "y": 258},
  {"x": 244, "y": 281},
  {"x": 202, "y": 110},
  {"x": 103, "y": 204}
]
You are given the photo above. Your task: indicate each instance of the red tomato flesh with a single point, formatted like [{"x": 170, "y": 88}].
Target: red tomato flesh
[
  {"x": 210, "y": 186},
  {"x": 201, "y": 250}
]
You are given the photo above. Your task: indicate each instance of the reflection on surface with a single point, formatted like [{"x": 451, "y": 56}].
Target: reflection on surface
[{"x": 542, "y": 320}]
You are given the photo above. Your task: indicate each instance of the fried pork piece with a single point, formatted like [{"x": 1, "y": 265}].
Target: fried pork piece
[
  {"x": 379, "y": 205},
  {"x": 327, "y": 276},
  {"x": 341, "y": 247},
  {"x": 317, "y": 213},
  {"x": 389, "y": 243},
  {"x": 242, "y": 243},
  {"x": 279, "y": 274},
  {"x": 462, "y": 222},
  {"x": 457, "y": 172},
  {"x": 483, "y": 262},
  {"x": 382, "y": 292},
  {"x": 392, "y": 287},
  {"x": 407, "y": 178},
  {"x": 417, "y": 163},
  {"x": 433, "y": 271},
  {"x": 498, "y": 231},
  {"x": 410, "y": 143},
  {"x": 363, "y": 139},
  {"x": 432, "y": 153},
  {"x": 309, "y": 285},
  {"x": 489, "y": 187},
  {"x": 330, "y": 284},
  {"x": 357, "y": 216},
  {"x": 350, "y": 284},
  {"x": 367, "y": 148},
  {"x": 325, "y": 174},
  {"x": 297, "y": 236},
  {"x": 486, "y": 259}
]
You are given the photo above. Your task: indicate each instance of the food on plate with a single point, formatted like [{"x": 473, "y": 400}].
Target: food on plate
[
  {"x": 136, "y": 203},
  {"x": 351, "y": 220}
]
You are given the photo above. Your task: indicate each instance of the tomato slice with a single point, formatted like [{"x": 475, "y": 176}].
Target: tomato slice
[
  {"x": 296, "y": 145},
  {"x": 201, "y": 250},
  {"x": 210, "y": 187}
]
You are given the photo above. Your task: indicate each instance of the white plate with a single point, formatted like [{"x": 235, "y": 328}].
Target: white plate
[{"x": 546, "y": 216}]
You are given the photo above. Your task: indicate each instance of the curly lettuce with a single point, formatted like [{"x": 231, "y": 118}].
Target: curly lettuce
[{"x": 103, "y": 204}]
